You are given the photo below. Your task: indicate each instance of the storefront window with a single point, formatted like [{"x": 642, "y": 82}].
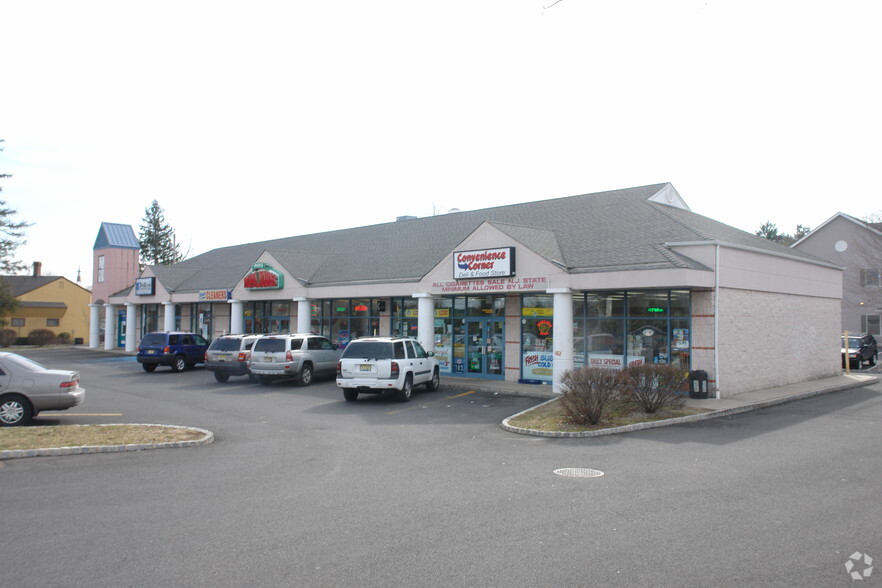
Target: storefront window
[
  {"x": 268, "y": 317},
  {"x": 149, "y": 318},
  {"x": 443, "y": 334},
  {"x": 537, "y": 337},
  {"x": 605, "y": 304},
  {"x": 620, "y": 329},
  {"x": 404, "y": 317},
  {"x": 201, "y": 319}
]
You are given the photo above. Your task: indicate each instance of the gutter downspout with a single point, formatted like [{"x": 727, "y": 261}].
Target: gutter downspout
[{"x": 717, "y": 322}]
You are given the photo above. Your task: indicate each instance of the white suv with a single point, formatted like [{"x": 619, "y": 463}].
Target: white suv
[{"x": 386, "y": 365}]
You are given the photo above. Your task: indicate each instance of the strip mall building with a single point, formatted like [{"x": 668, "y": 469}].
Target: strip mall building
[{"x": 520, "y": 292}]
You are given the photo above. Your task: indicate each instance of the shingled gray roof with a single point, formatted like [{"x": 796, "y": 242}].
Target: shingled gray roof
[{"x": 606, "y": 231}]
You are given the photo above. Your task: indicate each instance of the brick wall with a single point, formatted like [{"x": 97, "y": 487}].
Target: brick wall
[{"x": 768, "y": 339}]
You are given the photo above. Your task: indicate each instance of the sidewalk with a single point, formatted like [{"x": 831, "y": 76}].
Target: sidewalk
[{"x": 743, "y": 402}]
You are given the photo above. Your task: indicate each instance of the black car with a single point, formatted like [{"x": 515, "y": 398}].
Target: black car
[
  {"x": 860, "y": 348},
  {"x": 176, "y": 349}
]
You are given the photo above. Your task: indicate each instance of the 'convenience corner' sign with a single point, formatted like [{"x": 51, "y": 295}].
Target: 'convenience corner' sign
[{"x": 484, "y": 263}]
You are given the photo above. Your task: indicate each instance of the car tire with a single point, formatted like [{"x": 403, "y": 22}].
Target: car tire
[
  {"x": 15, "y": 411},
  {"x": 180, "y": 364},
  {"x": 305, "y": 377},
  {"x": 221, "y": 376},
  {"x": 406, "y": 390},
  {"x": 149, "y": 367},
  {"x": 433, "y": 384},
  {"x": 350, "y": 394},
  {"x": 873, "y": 358}
]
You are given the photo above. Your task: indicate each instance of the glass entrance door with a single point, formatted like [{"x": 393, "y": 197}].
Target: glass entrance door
[{"x": 485, "y": 348}]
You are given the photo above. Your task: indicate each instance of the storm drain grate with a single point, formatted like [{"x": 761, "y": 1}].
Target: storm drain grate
[{"x": 578, "y": 472}]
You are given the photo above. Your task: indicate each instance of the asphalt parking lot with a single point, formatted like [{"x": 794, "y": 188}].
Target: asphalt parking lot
[{"x": 302, "y": 488}]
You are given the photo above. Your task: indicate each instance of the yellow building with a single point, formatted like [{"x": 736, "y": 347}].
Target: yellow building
[{"x": 49, "y": 302}]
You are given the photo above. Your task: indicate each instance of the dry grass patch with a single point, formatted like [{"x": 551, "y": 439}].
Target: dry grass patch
[
  {"x": 551, "y": 416},
  {"x": 91, "y": 435}
]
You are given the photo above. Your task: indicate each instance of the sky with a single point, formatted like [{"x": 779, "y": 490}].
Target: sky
[{"x": 267, "y": 119}]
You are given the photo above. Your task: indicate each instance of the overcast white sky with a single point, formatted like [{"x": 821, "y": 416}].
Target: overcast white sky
[{"x": 255, "y": 120}]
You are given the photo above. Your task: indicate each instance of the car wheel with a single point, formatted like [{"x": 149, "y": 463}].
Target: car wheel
[
  {"x": 180, "y": 364},
  {"x": 149, "y": 367},
  {"x": 873, "y": 358},
  {"x": 15, "y": 411},
  {"x": 350, "y": 394},
  {"x": 433, "y": 384},
  {"x": 406, "y": 390},
  {"x": 305, "y": 375},
  {"x": 221, "y": 376}
]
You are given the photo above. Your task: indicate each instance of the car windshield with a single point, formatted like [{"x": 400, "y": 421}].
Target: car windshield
[
  {"x": 225, "y": 345},
  {"x": 153, "y": 339},
  {"x": 25, "y": 363},
  {"x": 853, "y": 342},
  {"x": 369, "y": 350}
]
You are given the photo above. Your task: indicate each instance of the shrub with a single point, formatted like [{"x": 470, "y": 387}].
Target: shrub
[
  {"x": 587, "y": 392},
  {"x": 41, "y": 337},
  {"x": 64, "y": 337},
  {"x": 655, "y": 387},
  {"x": 7, "y": 337}
]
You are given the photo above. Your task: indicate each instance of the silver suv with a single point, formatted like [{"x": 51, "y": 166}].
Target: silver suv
[
  {"x": 228, "y": 356},
  {"x": 299, "y": 355},
  {"x": 386, "y": 365}
]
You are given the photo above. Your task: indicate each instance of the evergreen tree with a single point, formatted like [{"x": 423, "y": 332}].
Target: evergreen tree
[
  {"x": 11, "y": 237},
  {"x": 157, "y": 238}
]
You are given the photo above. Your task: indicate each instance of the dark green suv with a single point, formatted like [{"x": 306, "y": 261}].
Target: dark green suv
[{"x": 178, "y": 350}]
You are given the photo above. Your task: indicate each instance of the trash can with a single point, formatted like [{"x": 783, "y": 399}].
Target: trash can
[{"x": 698, "y": 384}]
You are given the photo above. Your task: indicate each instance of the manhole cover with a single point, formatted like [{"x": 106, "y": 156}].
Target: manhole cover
[{"x": 578, "y": 473}]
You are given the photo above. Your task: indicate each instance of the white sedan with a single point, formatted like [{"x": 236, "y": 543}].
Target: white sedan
[{"x": 26, "y": 388}]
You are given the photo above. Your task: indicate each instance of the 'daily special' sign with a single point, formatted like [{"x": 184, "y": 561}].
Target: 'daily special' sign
[
  {"x": 484, "y": 263},
  {"x": 263, "y": 277}
]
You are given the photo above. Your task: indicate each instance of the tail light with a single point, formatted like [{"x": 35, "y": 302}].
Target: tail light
[
  {"x": 166, "y": 350},
  {"x": 70, "y": 383},
  {"x": 289, "y": 356},
  {"x": 205, "y": 357},
  {"x": 396, "y": 371},
  {"x": 243, "y": 356},
  {"x": 339, "y": 369}
]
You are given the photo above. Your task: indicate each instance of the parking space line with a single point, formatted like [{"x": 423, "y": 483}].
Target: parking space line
[
  {"x": 422, "y": 404},
  {"x": 42, "y": 412}
]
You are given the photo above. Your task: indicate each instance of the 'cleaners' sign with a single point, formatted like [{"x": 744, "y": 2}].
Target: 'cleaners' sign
[{"x": 484, "y": 263}]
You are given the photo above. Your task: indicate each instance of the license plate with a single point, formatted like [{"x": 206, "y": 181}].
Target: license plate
[
  {"x": 268, "y": 359},
  {"x": 365, "y": 367},
  {"x": 151, "y": 352}
]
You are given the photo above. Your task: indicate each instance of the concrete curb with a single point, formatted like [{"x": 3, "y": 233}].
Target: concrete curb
[
  {"x": 208, "y": 437},
  {"x": 682, "y": 420}
]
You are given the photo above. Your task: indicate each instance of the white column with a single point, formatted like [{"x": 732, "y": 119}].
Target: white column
[
  {"x": 237, "y": 316},
  {"x": 426, "y": 320},
  {"x": 168, "y": 319},
  {"x": 131, "y": 326},
  {"x": 94, "y": 325},
  {"x": 109, "y": 327},
  {"x": 304, "y": 310},
  {"x": 563, "y": 335}
]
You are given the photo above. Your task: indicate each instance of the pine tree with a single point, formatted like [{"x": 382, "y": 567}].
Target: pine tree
[
  {"x": 157, "y": 238},
  {"x": 11, "y": 237}
]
